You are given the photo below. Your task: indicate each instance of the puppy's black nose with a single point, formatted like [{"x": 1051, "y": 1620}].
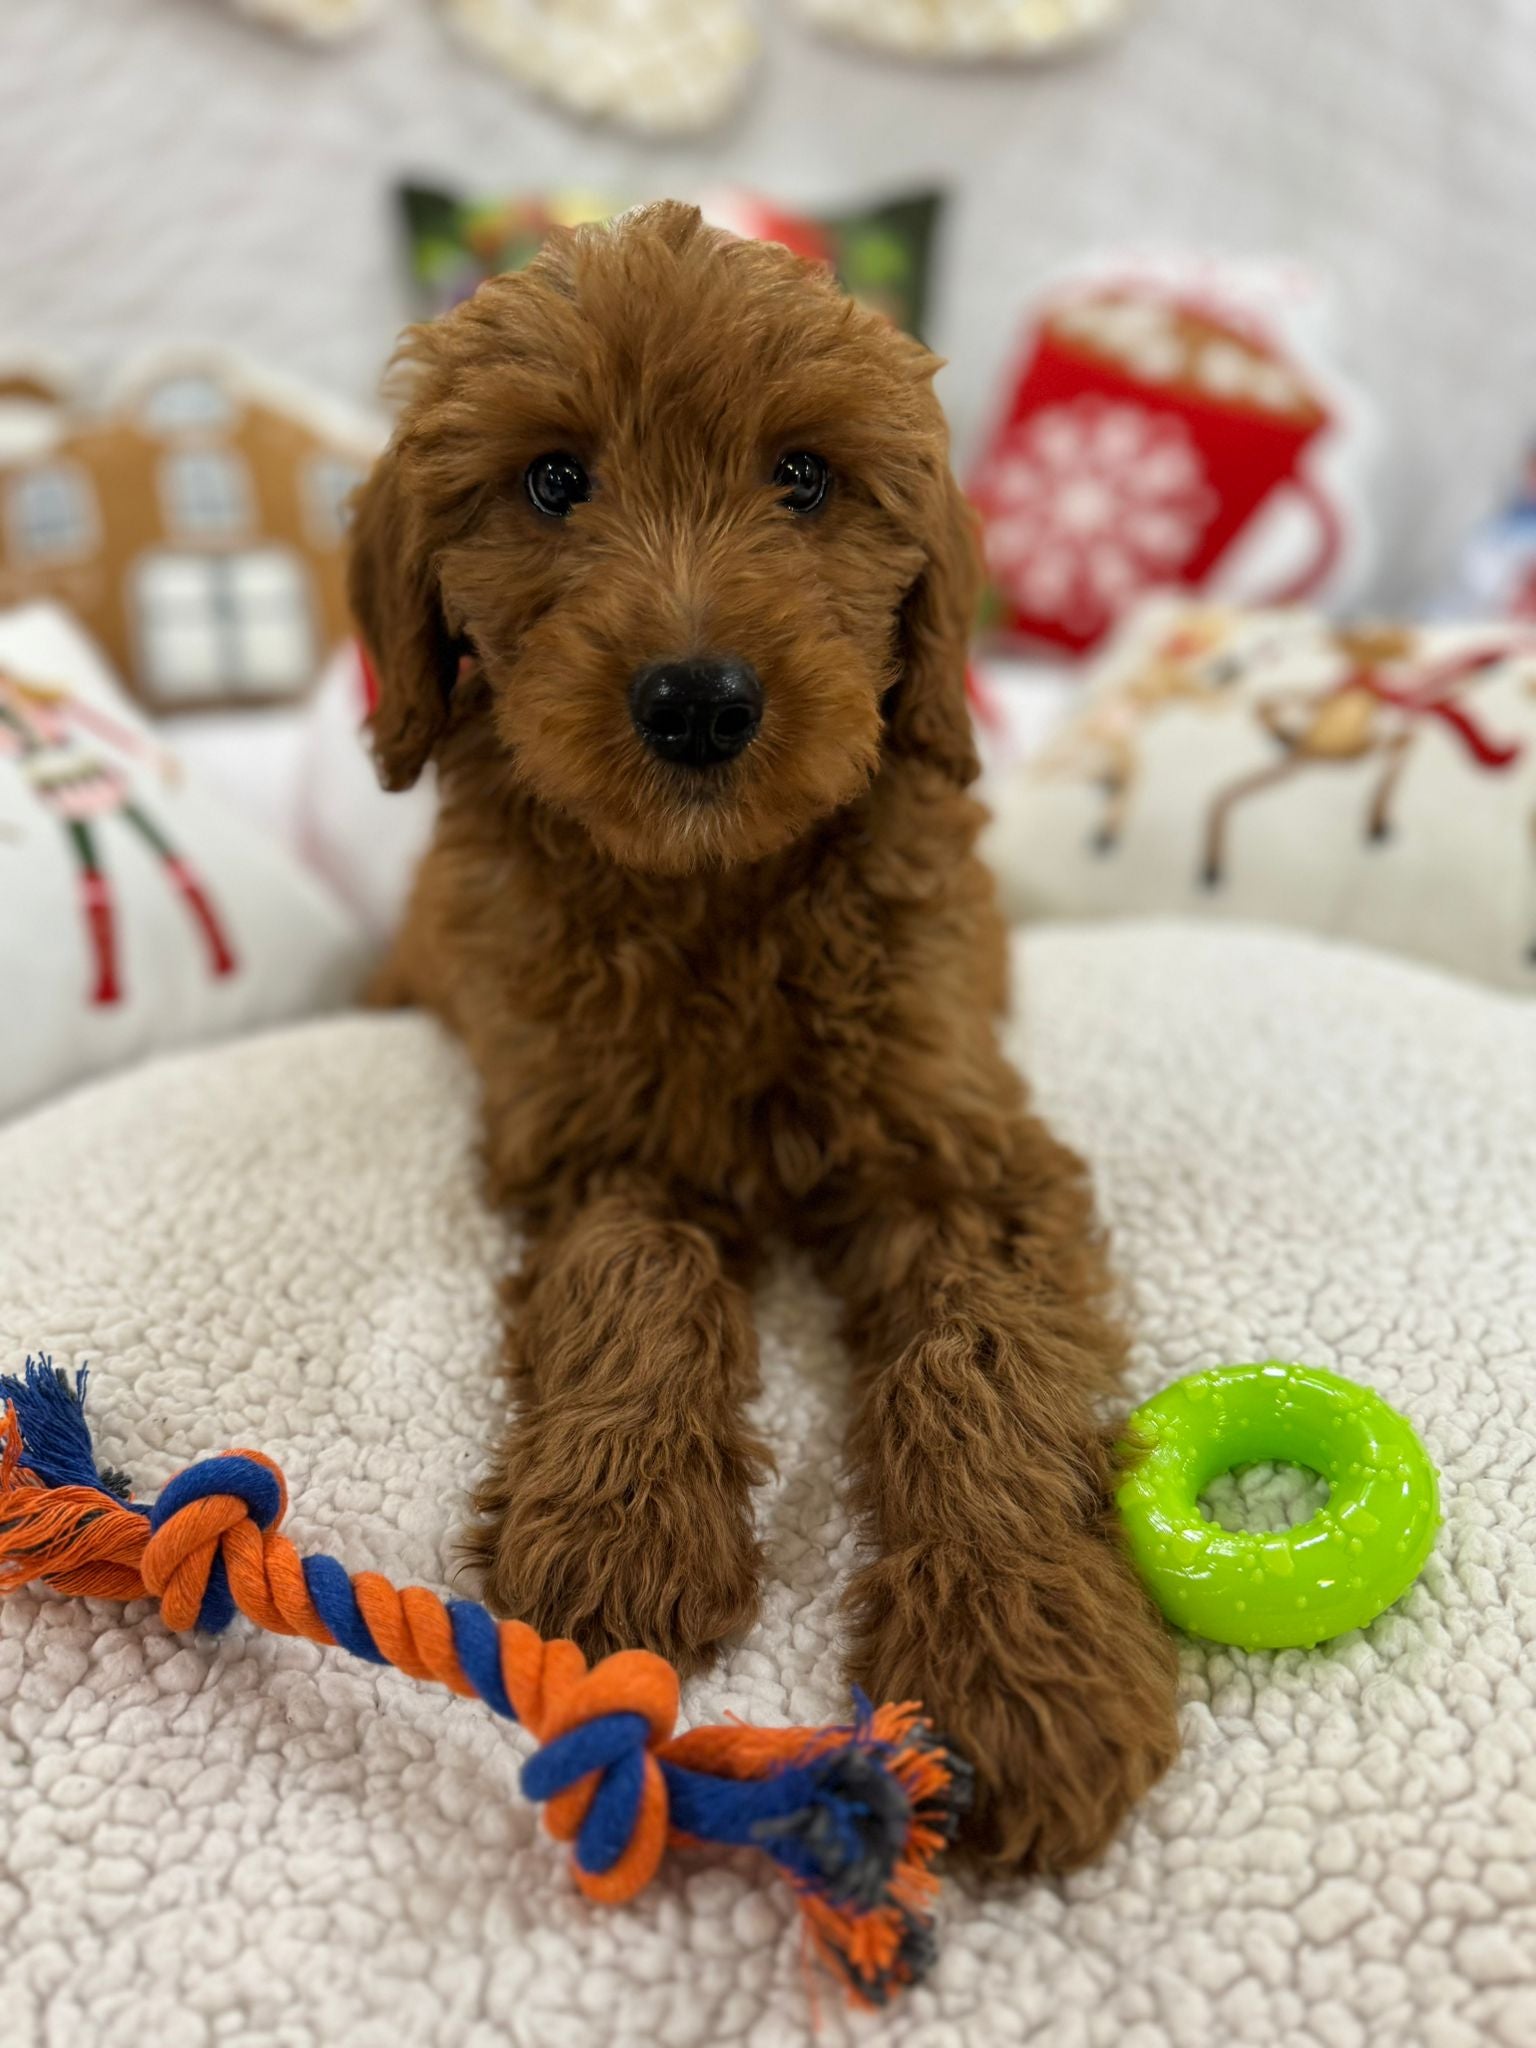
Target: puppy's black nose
[{"x": 698, "y": 712}]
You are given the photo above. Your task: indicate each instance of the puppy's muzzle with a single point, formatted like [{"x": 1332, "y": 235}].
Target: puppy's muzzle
[{"x": 698, "y": 712}]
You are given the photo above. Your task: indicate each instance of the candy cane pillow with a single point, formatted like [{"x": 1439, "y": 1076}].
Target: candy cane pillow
[
  {"x": 1375, "y": 783},
  {"x": 138, "y": 913}
]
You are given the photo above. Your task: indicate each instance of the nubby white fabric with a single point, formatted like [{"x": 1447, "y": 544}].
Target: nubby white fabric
[{"x": 1303, "y": 1151}]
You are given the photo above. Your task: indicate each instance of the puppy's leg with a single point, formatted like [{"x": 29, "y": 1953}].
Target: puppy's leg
[
  {"x": 618, "y": 1511},
  {"x": 1000, "y": 1594}
]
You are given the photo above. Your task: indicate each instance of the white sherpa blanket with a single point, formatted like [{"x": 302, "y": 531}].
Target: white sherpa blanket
[{"x": 1304, "y": 1151}]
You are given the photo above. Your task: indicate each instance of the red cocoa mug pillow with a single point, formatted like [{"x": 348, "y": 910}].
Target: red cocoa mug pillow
[
  {"x": 139, "y": 914},
  {"x": 1170, "y": 423},
  {"x": 1377, "y": 783}
]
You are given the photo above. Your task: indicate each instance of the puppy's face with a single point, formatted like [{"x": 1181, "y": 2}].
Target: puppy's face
[{"x": 687, "y": 511}]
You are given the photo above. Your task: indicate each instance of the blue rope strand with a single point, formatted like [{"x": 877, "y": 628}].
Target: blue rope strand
[
  {"x": 592, "y": 1747},
  {"x": 242, "y": 1477},
  {"x": 218, "y": 1608},
  {"x": 330, "y": 1587},
  {"x": 605, "y": 1833},
  {"x": 477, "y": 1641},
  {"x": 726, "y": 1810}
]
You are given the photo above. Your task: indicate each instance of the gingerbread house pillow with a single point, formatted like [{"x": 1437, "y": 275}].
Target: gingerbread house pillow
[{"x": 194, "y": 519}]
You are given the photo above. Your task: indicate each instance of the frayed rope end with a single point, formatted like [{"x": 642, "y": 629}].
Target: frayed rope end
[
  {"x": 889, "y": 1799},
  {"x": 62, "y": 1520},
  {"x": 854, "y": 1816},
  {"x": 55, "y": 1436}
]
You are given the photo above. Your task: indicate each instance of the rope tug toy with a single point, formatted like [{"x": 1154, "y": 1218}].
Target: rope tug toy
[{"x": 854, "y": 1815}]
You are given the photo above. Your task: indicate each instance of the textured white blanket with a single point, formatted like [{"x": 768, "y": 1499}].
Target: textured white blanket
[{"x": 1304, "y": 1151}]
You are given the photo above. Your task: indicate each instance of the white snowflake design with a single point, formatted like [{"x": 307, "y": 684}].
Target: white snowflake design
[{"x": 1089, "y": 502}]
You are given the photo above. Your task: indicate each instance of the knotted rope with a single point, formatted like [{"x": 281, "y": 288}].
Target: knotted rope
[{"x": 854, "y": 1815}]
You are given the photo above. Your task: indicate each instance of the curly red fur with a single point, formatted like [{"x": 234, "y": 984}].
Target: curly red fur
[{"x": 710, "y": 1010}]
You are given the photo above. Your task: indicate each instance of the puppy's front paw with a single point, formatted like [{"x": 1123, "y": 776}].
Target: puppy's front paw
[
  {"x": 1056, "y": 1685},
  {"x": 665, "y": 1560}
]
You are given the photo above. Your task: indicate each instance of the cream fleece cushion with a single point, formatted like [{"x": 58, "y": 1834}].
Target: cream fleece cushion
[{"x": 1304, "y": 1151}]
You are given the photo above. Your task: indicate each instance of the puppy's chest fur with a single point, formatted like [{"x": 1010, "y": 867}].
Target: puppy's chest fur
[{"x": 745, "y": 1034}]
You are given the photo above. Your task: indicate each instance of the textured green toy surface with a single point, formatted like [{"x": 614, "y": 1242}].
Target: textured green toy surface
[{"x": 1282, "y": 1588}]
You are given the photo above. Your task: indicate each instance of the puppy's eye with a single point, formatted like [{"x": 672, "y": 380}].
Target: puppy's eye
[
  {"x": 803, "y": 480},
  {"x": 557, "y": 484}
]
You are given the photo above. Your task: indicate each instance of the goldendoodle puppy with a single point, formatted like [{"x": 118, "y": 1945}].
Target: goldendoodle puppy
[{"x": 666, "y": 570}]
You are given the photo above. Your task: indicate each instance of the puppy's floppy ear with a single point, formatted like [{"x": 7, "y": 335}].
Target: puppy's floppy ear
[
  {"x": 392, "y": 587},
  {"x": 927, "y": 714}
]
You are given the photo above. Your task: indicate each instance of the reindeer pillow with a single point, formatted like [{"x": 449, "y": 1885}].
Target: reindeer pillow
[
  {"x": 136, "y": 913},
  {"x": 1375, "y": 783}
]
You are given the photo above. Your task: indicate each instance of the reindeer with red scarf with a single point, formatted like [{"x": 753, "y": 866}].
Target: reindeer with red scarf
[
  {"x": 1191, "y": 666},
  {"x": 1378, "y": 710}
]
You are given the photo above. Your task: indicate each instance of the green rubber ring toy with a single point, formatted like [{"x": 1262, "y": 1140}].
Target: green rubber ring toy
[{"x": 1283, "y": 1588}]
